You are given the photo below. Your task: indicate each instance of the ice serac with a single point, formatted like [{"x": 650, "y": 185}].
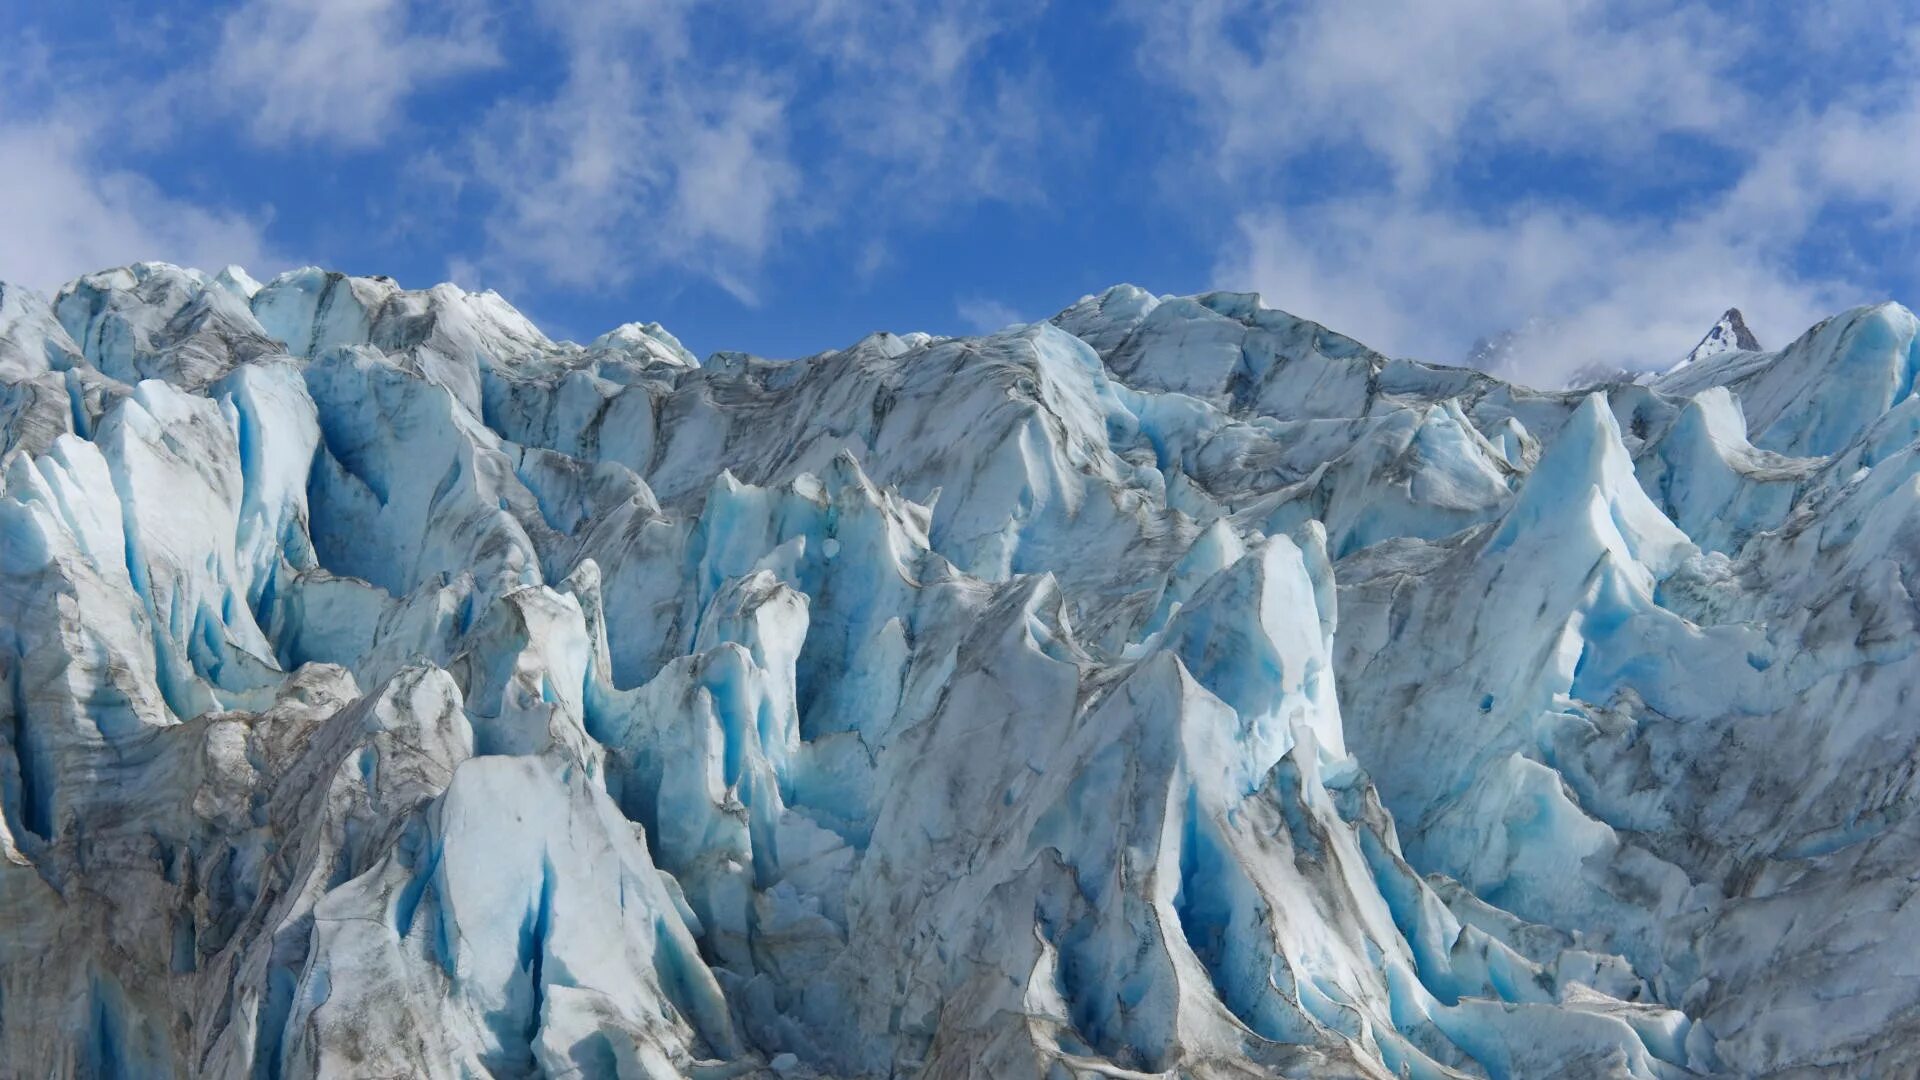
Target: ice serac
[
  {"x": 1173, "y": 687},
  {"x": 1718, "y": 487},
  {"x": 1819, "y": 395}
]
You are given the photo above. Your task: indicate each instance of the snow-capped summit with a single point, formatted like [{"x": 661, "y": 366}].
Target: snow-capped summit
[
  {"x": 1497, "y": 353},
  {"x": 1729, "y": 334},
  {"x": 1511, "y": 352},
  {"x": 1541, "y": 345},
  {"x": 1173, "y": 687}
]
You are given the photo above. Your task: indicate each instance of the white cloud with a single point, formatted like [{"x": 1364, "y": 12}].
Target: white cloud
[
  {"x": 66, "y": 207},
  {"x": 339, "y": 71},
  {"x": 927, "y": 92},
  {"x": 662, "y": 146},
  {"x": 646, "y": 134},
  {"x": 983, "y": 315},
  {"x": 1427, "y": 282},
  {"x": 1413, "y": 259},
  {"x": 1421, "y": 84},
  {"x": 638, "y": 157},
  {"x": 62, "y": 214}
]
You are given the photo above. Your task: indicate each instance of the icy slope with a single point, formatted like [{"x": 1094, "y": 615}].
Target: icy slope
[{"x": 1175, "y": 687}]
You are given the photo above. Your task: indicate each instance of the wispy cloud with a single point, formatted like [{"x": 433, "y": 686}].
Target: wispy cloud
[
  {"x": 643, "y": 137},
  {"x": 1415, "y": 174},
  {"x": 983, "y": 315},
  {"x": 1421, "y": 85},
  {"x": 639, "y": 156},
  {"x": 668, "y": 145},
  {"x": 67, "y": 208},
  {"x": 1411, "y": 280},
  {"x": 933, "y": 101},
  {"x": 338, "y": 72},
  {"x": 62, "y": 215},
  {"x": 1419, "y": 248}
]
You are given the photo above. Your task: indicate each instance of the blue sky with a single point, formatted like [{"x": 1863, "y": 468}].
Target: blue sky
[{"x": 784, "y": 177}]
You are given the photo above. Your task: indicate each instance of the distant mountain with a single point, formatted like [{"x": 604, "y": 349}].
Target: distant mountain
[
  {"x": 1505, "y": 353},
  {"x": 1497, "y": 353},
  {"x": 1727, "y": 335}
]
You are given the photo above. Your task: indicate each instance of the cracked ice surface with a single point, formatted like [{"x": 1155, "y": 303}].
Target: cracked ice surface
[{"x": 1173, "y": 687}]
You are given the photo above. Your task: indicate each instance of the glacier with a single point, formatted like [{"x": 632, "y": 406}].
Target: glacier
[{"x": 1171, "y": 687}]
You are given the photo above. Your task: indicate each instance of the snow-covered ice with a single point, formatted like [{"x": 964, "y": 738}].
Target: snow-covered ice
[{"x": 1172, "y": 687}]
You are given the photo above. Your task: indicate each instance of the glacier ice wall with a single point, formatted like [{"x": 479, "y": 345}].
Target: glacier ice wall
[{"x": 1172, "y": 687}]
